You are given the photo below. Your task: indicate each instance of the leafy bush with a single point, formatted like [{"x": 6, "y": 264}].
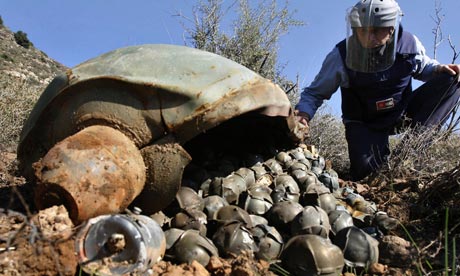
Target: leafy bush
[
  {"x": 21, "y": 39},
  {"x": 254, "y": 41},
  {"x": 1, "y": 21},
  {"x": 7, "y": 57}
]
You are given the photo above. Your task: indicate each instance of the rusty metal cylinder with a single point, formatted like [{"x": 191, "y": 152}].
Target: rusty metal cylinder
[
  {"x": 120, "y": 245},
  {"x": 96, "y": 171}
]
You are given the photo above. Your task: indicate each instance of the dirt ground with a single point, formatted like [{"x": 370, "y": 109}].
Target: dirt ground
[{"x": 42, "y": 243}]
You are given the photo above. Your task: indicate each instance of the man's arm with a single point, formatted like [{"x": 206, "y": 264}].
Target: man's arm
[
  {"x": 427, "y": 67},
  {"x": 327, "y": 81}
]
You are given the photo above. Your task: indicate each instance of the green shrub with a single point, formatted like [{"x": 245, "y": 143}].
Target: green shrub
[
  {"x": 21, "y": 39},
  {"x": 1, "y": 21},
  {"x": 7, "y": 57}
]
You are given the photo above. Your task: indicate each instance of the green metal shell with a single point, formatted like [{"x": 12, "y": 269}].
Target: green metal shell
[{"x": 149, "y": 92}]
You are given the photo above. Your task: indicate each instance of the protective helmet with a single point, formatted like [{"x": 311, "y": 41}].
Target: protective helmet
[
  {"x": 312, "y": 220},
  {"x": 312, "y": 255},
  {"x": 359, "y": 248},
  {"x": 233, "y": 238},
  {"x": 187, "y": 246},
  {"x": 269, "y": 241},
  {"x": 339, "y": 219},
  {"x": 375, "y": 13},
  {"x": 309, "y": 154},
  {"x": 383, "y": 16}
]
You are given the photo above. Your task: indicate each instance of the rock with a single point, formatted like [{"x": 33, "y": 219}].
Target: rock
[
  {"x": 199, "y": 269},
  {"x": 377, "y": 268},
  {"x": 396, "y": 251},
  {"x": 54, "y": 222}
]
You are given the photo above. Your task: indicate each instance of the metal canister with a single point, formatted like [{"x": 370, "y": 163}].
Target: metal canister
[
  {"x": 120, "y": 244},
  {"x": 97, "y": 171}
]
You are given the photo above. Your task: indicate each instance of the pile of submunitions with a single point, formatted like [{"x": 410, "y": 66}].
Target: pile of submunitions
[{"x": 289, "y": 209}]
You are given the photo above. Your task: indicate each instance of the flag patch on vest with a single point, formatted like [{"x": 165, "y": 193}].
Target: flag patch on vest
[{"x": 385, "y": 104}]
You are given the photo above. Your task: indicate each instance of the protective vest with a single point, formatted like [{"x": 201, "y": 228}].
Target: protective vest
[{"x": 379, "y": 99}]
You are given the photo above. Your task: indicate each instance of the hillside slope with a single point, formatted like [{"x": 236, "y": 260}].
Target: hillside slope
[{"x": 24, "y": 73}]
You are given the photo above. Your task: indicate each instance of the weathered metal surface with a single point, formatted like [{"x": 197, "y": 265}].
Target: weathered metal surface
[
  {"x": 96, "y": 171},
  {"x": 144, "y": 245},
  {"x": 158, "y": 96},
  {"x": 146, "y": 92},
  {"x": 165, "y": 166}
]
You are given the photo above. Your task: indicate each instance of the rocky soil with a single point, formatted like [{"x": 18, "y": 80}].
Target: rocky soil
[
  {"x": 29, "y": 64},
  {"x": 42, "y": 243}
]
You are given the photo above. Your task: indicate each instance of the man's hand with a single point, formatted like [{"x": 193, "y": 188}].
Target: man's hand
[
  {"x": 302, "y": 117},
  {"x": 451, "y": 69}
]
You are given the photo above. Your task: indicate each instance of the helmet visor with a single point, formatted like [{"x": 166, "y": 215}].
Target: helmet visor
[{"x": 371, "y": 45}]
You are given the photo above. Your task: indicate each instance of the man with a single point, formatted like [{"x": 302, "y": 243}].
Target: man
[{"x": 374, "y": 67}]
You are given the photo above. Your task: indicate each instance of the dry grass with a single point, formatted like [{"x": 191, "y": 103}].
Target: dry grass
[
  {"x": 417, "y": 153},
  {"x": 17, "y": 97},
  {"x": 421, "y": 153},
  {"x": 327, "y": 133}
]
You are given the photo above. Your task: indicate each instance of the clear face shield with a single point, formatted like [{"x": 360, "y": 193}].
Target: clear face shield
[{"x": 371, "y": 39}]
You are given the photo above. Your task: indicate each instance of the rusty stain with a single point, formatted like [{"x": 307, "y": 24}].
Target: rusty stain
[{"x": 81, "y": 178}]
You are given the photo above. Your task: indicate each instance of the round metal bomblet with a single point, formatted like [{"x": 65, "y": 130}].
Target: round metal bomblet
[{"x": 119, "y": 244}]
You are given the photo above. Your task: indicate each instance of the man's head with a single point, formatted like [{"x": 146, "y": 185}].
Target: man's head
[{"x": 371, "y": 38}]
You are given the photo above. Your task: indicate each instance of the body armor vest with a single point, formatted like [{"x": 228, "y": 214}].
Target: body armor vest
[{"x": 379, "y": 99}]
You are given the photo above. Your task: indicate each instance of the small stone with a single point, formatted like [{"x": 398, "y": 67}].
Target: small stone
[
  {"x": 378, "y": 269},
  {"x": 199, "y": 269},
  {"x": 396, "y": 251},
  {"x": 214, "y": 264}
]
